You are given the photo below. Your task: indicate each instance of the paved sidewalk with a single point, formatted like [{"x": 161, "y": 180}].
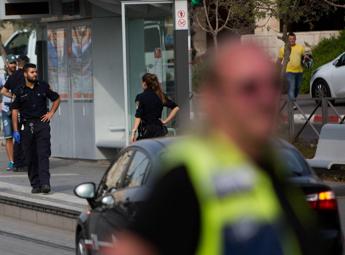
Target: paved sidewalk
[{"x": 65, "y": 175}]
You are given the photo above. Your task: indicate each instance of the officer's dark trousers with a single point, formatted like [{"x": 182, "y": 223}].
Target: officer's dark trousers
[{"x": 36, "y": 146}]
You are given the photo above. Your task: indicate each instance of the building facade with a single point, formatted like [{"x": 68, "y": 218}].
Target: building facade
[{"x": 96, "y": 53}]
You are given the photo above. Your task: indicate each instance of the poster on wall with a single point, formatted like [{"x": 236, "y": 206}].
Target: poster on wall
[
  {"x": 81, "y": 63},
  {"x": 57, "y": 62}
]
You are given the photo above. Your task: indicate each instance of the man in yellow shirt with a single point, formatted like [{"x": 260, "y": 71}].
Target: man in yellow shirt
[{"x": 294, "y": 69}]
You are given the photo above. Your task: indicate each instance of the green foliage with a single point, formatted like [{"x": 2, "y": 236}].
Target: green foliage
[{"x": 324, "y": 52}]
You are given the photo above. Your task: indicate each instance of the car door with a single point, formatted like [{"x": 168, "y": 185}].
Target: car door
[
  {"x": 104, "y": 220},
  {"x": 338, "y": 77},
  {"x": 134, "y": 190}
]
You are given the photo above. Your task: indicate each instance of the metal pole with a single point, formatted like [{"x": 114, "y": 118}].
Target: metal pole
[
  {"x": 182, "y": 60},
  {"x": 291, "y": 120},
  {"x": 324, "y": 110},
  {"x": 124, "y": 59}
]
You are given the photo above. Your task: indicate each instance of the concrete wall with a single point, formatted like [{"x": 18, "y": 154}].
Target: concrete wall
[
  {"x": 267, "y": 32},
  {"x": 108, "y": 82}
]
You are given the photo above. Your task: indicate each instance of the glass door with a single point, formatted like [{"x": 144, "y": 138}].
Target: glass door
[
  {"x": 148, "y": 29},
  {"x": 58, "y": 77},
  {"x": 69, "y": 50}
]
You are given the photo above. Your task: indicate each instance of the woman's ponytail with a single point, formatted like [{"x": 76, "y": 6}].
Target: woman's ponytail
[{"x": 152, "y": 82}]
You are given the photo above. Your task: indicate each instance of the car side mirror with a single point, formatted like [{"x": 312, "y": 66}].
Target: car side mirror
[
  {"x": 108, "y": 201},
  {"x": 85, "y": 190}
]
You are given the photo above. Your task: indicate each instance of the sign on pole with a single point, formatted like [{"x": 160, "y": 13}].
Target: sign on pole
[
  {"x": 182, "y": 61},
  {"x": 181, "y": 15}
]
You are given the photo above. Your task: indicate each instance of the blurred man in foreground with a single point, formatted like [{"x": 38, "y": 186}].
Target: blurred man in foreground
[{"x": 224, "y": 191}]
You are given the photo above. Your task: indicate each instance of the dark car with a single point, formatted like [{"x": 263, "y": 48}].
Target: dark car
[{"x": 123, "y": 188}]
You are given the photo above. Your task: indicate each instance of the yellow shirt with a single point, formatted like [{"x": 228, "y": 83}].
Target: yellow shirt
[{"x": 295, "y": 63}]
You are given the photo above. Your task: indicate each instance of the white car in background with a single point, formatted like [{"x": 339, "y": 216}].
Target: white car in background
[
  {"x": 329, "y": 80},
  {"x": 21, "y": 42}
]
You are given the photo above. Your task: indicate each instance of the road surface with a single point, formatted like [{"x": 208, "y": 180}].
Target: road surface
[{"x": 24, "y": 238}]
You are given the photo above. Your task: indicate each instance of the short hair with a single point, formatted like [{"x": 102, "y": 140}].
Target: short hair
[
  {"x": 23, "y": 59},
  {"x": 29, "y": 65},
  {"x": 292, "y": 34}
]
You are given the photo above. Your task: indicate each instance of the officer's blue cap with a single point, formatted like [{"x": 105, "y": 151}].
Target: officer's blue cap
[{"x": 11, "y": 58}]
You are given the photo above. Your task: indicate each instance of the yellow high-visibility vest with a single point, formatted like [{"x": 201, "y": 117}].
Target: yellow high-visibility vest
[{"x": 240, "y": 212}]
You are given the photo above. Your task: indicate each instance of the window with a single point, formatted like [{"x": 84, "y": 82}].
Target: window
[
  {"x": 19, "y": 44},
  {"x": 295, "y": 165},
  {"x": 341, "y": 60},
  {"x": 137, "y": 170},
  {"x": 152, "y": 37},
  {"x": 113, "y": 176}
]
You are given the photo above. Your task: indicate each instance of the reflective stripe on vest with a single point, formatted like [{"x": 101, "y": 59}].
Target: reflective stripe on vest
[{"x": 240, "y": 213}]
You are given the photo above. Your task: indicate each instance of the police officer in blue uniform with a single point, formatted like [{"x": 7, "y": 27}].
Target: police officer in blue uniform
[{"x": 31, "y": 102}]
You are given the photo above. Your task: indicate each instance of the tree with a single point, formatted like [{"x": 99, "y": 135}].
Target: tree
[
  {"x": 335, "y": 3},
  {"x": 216, "y": 16},
  {"x": 294, "y": 11}
]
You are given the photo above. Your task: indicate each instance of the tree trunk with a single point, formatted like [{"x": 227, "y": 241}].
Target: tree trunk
[
  {"x": 215, "y": 40},
  {"x": 287, "y": 49}
]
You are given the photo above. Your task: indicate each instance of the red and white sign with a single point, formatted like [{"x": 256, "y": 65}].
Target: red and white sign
[{"x": 181, "y": 15}]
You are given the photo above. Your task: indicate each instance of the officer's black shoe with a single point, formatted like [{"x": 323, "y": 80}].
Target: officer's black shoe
[
  {"x": 45, "y": 189},
  {"x": 36, "y": 190}
]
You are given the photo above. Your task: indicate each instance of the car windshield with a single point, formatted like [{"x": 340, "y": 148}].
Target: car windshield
[
  {"x": 19, "y": 44},
  {"x": 295, "y": 164}
]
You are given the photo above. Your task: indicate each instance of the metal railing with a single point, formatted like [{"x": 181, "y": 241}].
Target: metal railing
[{"x": 326, "y": 104}]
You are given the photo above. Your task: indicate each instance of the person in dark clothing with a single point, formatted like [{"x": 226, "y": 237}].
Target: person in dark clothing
[
  {"x": 31, "y": 102},
  {"x": 15, "y": 81},
  {"x": 150, "y": 106},
  {"x": 223, "y": 190}
]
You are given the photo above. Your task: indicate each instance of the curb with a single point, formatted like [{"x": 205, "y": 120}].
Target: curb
[
  {"x": 71, "y": 214},
  {"x": 41, "y": 214}
]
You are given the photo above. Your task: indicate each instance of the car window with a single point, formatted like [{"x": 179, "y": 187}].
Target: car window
[
  {"x": 137, "y": 170},
  {"x": 19, "y": 44},
  {"x": 295, "y": 164},
  {"x": 113, "y": 176}
]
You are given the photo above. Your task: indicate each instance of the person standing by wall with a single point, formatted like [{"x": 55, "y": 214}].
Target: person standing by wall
[
  {"x": 11, "y": 67},
  {"x": 13, "y": 82},
  {"x": 294, "y": 69},
  {"x": 31, "y": 102},
  {"x": 150, "y": 106}
]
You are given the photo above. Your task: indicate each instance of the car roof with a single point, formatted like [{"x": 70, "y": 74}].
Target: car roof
[{"x": 153, "y": 146}]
